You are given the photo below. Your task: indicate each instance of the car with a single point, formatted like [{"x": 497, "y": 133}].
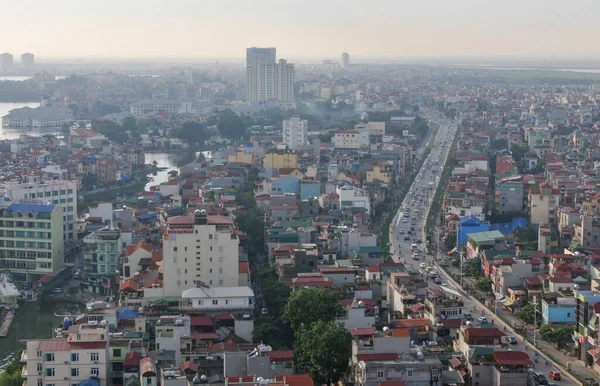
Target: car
[
  {"x": 264, "y": 311},
  {"x": 407, "y": 238},
  {"x": 468, "y": 317},
  {"x": 419, "y": 242},
  {"x": 409, "y": 232},
  {"x": 482, "y": 319},
  {"x": 423, "y": 265},
  {"x": 415, "y": 257},
  {"x": 540, "y": 378},
  {"x": 404, "y": 220},
  {"x": 513, "y": 340},
  {"x": 57, "y": 290},
  {"x": 554, "y": 375},
  {"x": 437, "y": 280},
  {"x": 401, "y": 231}
]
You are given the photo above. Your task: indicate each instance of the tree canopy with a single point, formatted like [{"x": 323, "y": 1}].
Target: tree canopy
[
  {"x": 526, "y": 314},
  {"x": 472, "y": 268},
  {"x": 484, "y": 284},
  {"x": 12, "y": 375},
  {"x": 558, "y": 336},
  {"x": 192, "y": 133},
  {"x": 310, "y": 305},
  {"x": 230, "y": 125},
  {"x": 323, "y": 350}
]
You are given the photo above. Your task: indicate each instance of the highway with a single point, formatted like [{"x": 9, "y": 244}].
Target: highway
[{"x": 407, "y": 233}]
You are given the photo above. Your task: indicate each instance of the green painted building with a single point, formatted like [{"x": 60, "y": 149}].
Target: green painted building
[{"x": 101, "y": 252}]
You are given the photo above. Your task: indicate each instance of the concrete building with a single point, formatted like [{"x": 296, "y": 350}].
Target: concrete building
[
  {"x": 199, "y": 248},
  {"x": 345, "y": 60},
  {"x": 271, "y": 82},
  {"x": 561, "y": 310},
  {"x": 260, "y": 55},
  {"x": 101, "y": 252},
  {"x": 31, "y": 241},
  {"x": 60, "y": 193},
  {"x": 351, "y": 139},
  {"x": 70, "y": 360},
  {"x": 169, "y": 331},
  {"x": 543, "y": 202},
  {"x": 6, "y": 62},
  {"x": 295, "y": 132},
  {"x": 353, "y": 197},
  {"x": 151, "y": 106},
  {"x": 43, "y": 116},
  {"x": 28, "y": 62},
  {"x": 587, "y": 231},
  {"x": 509, "y": 197}
]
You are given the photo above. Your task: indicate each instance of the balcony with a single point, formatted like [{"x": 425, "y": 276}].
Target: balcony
[
  {"x": 195, "y": 350},
  {"x": 164, "y": 334},
  {"x": 24, "y": 356},
  {"x": 24, "y": 372}
]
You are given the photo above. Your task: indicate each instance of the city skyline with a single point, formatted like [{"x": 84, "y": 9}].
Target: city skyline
[{"x": 383, "y": 30}]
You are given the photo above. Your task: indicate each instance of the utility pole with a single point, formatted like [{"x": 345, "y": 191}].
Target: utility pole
[
  {"x": 461, "y": 269},
  {"x": 534, "y": 321}
]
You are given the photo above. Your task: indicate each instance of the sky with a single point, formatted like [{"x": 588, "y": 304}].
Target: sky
[{"x": 311, "y": 29}]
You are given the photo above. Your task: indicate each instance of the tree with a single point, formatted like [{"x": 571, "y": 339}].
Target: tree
[
  {"x": 129, "y": 124},
  {"x": 472, "y": 268},
  {"x": 273, "y": 332},
  {"x": 192, "y": 133},
  {"x": 526, "y": 314},
  {"x": 559, "y": 336},
  {"x": 89, "y": 181},
  {"x": 12, "y": 375},
  {"x": 310, "y": 305},
  {"x": 484, "y": 284},
  {"x": 518, "y": 152},
  {"x": 275, "y": 293},
  {"x": 251, "y": 222},
  {"x": 231, "y": 126},
  {"x": 323, "y": 350}
]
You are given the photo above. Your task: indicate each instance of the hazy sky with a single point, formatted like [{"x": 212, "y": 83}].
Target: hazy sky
[{"x": 300, "y": 28}]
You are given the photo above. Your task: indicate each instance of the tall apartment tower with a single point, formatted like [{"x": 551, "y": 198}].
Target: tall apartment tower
[
  {"x": 295, "y": 132},
  {"x": 271, "y": 82},
  {"x": 6, "y": 62},
  {"x": 260, "y": 55},
  {"x": 27, "y": 61},
  {"x": 200, "y": 248},
  {"x": 345, "y": 60}
]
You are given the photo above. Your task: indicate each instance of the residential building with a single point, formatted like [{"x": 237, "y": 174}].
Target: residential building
[
  {"x": 199, "y": 249},
  {"x": 543, "y": 202},
  {"x": 295, "y": 132},
  {"x": 101, "y": 252},
  {"x": 168, "y": 332},
  {"x": 57, "y": 192},
  {"x": 43, "y": 116},
  {"x": 6, "y": 62},
  {"x": 587, "y": 231},
  {"x": 260, "y": 55},
  {"x": 351, "y": 139},
  {"x": 345, "y": 61},
  {"x": 584, "y": 300},
  {"x": 31, "y": 241},
  {"x": 65, "y": 361},
  {"x": 106, "y": 170},
  {"x": 151, "y": 106},
  {"x": 560, "y": 310},
  {"x": 28, "y": 62},
  {"x": 481, "y": 241},
  {"x": 280, "y": 159},
  {"x": 353, "y": 197},
  {"x": 373, "y": 128},
  {"x": 509, "y": 197},
  {"x": 271, "y": 82}
]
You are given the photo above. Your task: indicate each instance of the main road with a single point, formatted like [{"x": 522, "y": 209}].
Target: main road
[{"x": 407, "y": 232}]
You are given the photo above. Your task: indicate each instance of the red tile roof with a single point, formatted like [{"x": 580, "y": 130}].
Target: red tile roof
[
  {"x": 391, "y": 383},
  {"x": 189, "y": 367},
  {"x": 140, "y": 245},
  {"x": 400, "y": 332},
  {"x": 280, "y": 355},
  {"x": 132, "y": 359},
  {"x": 454, "y": 362},
  {"x": 153, "y": 282},
  {"x": 128, "y": 286},
  {"x": 224, "y": 317},
  {"x": 511, "y": 358},
  {"x": 203, "y": 321},
  {"x": 362, "y": 331},
  {"x": 473, "y": 332},
  {"x": 296, "y": 380},
  {"x": 63, "y": 345},
  {"x": 408, "y": 323},
  {"x": 205, "y": 336}
]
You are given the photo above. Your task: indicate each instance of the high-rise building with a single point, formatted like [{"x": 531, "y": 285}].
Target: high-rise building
[
  {"x": 271, "y": 82},
  {"x": 101, "y": 252},
  {"x": 27, "y": 61},
  {"x": 31, "y": 241},
  {"x": 200, "y": 248},
  {"x": 260, "y": 55},
  {"x": 6, "y": 61},
  {"x": 61, "y": 193},
  {"x": 295, "y": 132},
  {"x": 345, "y": 60}
]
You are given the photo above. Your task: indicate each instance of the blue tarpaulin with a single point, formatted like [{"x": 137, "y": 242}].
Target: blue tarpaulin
[
  {"x": 147, "y": 216},
  {"x": 90, "y": 382},
  {"x": 127, "y": 314}
]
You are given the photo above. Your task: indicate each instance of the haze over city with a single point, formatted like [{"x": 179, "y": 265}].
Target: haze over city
[{"x": 306, "y": 29}]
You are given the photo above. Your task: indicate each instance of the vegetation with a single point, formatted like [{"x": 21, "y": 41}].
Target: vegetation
[
  {"x": 559, "y": 336},
  {"x": 526, "y": 314},
  {"x": 231, "y": 126},
  {"x": 12, "y": 375},
  {"x": 111, "y": 130},
  {"x": 484, "y": 284},
  {"x": 322, "y": 349},
  {"x": 309, "y": 306},
  {"x": 472, "y": 267},
  {"x": 251, "y": 222},
  {"x": 191, "y": 133},
  {"x": 273, "y": 330}
]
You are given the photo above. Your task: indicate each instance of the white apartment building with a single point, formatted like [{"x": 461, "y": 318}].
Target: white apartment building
[
  {"x": 145, "y": 107},
  {"x": 199, "y": 248},
  {"x": 206, "y": 299},
  {"x": 169, "y": 331},
  {"x": 70, "y": 360},
  {"x": 261, "y": 55},
  {"x": 271, "y": 82},
  {"x": 60, "y": 193},
  {"x": 295, "y": 132},
  {"x": 353, "y": 197},
  {"x": 351, "y": 139}
]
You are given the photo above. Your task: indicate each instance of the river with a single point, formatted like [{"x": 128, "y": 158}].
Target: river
[{"x": 33, "y": 321}]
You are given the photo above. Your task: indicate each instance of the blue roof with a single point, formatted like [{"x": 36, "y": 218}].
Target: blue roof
[
  {"x": 147, "y": 216},
  {"x": 508, "y": 228},
  {"x": 470, "y": 221},
  {"x": 89, "y": 382},
  {"x": 127, "y": 314},
  {"x": 35, "y": 208},
  {"x": 463, "y": 232}
]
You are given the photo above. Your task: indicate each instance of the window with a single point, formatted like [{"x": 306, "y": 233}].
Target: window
[
  {"x": 40, "y": 382},
  {"x": 49, "y": 357},
  {"x": 215, "y": 302},
  {"x": 174, "y": 249},
  {"x": 409, "y": 373},
  {"x": 210, "y": 237},
  {"x": 50, "y": 372},
  {"x": 39, "y": 353},
  {"x": 74, "y": 357},
  {"x": 380, "y": 374},
  {"x": 75, "y": 372},
  {"x": 94, "y": 356},
  {"x": 434, "y": 372},
  {"x": 94, "y": 371},
  {"x": 39, "y": 368},
  {"x": 200, "y": 302},
  {"x": 117, "y": 352}
]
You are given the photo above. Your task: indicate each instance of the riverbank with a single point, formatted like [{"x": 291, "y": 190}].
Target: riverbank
[{"x": 9, "y": 317}]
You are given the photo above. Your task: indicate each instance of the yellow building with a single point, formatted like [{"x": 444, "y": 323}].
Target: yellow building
[
  {"x": 280, "y": 160},
  {"x": 380, "y": 173},
  {"x": 240, "y": 157}
]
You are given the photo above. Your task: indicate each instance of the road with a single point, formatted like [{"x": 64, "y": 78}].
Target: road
[{"x": 407, "y": 233}]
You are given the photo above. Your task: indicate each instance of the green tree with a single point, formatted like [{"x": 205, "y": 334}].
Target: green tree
[
  {"x": 89, "y": 181},
  {"x": 273, "y": 332},
  {"x": 472, "y": 268},
  {"x": 526, "y": 314},
  {"x": 323, "y": 350},
  {"x": 12, "y": 375},
  {"x": 129, "y": 124},
  {"x": 192, "y": 133},
  {"x": 558, "y": 336},
  {"x": 275, "y": 293},
  {"x": 484, "y": 284},
  {"x": 310, "y": 305},
  {"x": 251, "y": 222},
  {"x": 231, "y": 126},
  {"x": 518, "y": 152}
]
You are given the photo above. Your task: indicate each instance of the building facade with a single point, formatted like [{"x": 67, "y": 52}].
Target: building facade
[
  {"x": 6, "y": 62},
  {"x": 60, "y": 193},
  {"x": 28, "y": 61},
  {"x": 31, "y": 241},
  {"x": 199, "y": 248},
  {"x": 260, "y": 55},
  {"x": 271, "y": 82},
  {"x": 345, "y": 61},
  {"x": 101, "y": 252},
  {"x": 543, "y": 202},
  {"x": 295, "y": 132}
]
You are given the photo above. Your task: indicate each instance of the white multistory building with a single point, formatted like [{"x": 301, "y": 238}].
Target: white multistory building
[
  {"x": 56, "y": 192},
  {"x": 351, "y": 139},
  {"x": 152, "y": 106},
  {"x": 271, "y": 82},
  {"x": 199, "y": 249},
  {"x": 261, "y": 55},
  {"x": 295, "y": 132}
]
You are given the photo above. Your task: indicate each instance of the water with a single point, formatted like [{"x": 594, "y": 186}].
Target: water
[
  {"x": 14, "y": 78},
  {"x": 33, "y": 321},
  {"x": 13, "y": 132},
  {"x": 170, "y": 161}
]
